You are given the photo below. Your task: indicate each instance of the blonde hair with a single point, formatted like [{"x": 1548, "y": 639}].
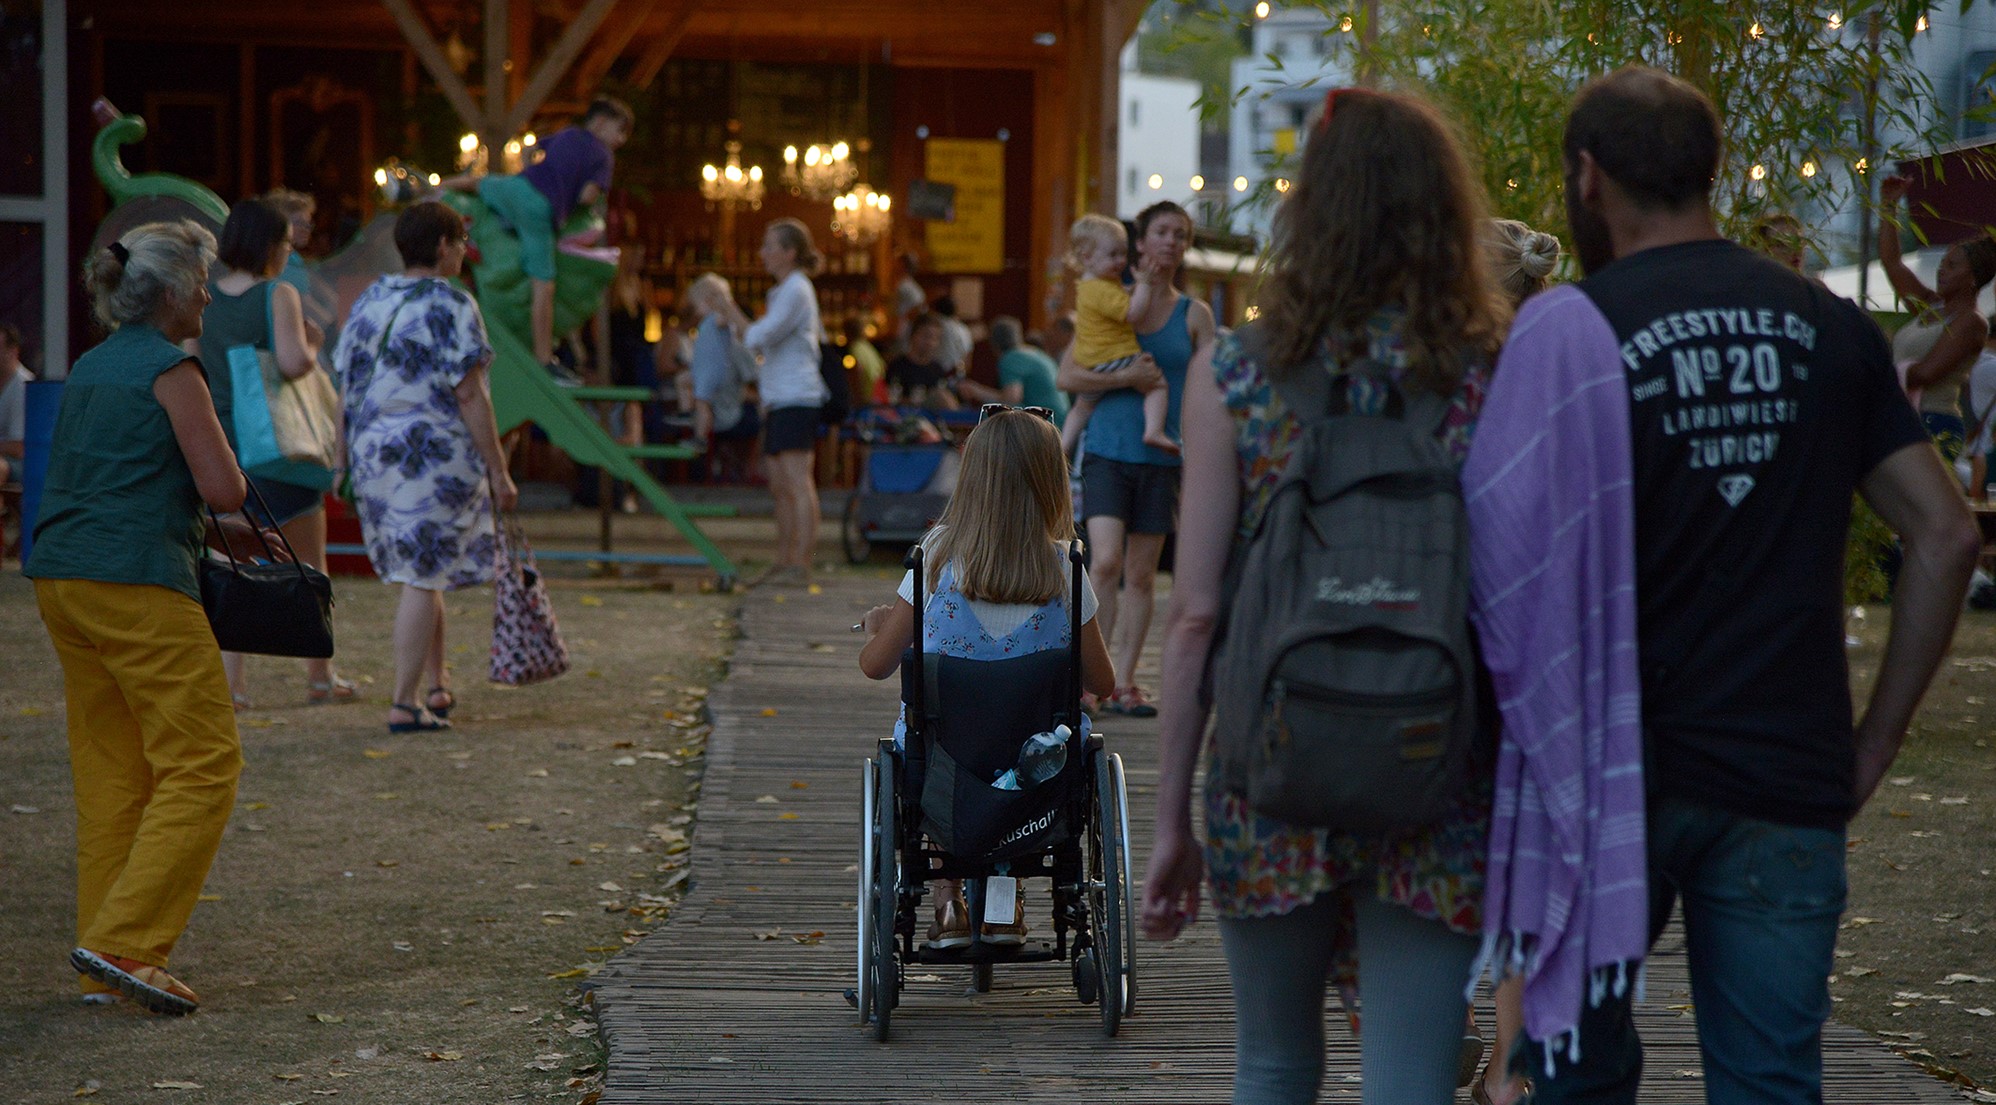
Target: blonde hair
[
  {"x": 796, "y": 237},
  {"x": 1091, "y": 232},
  {"x": 160, "y": 260},
  {"x": 1385, "y": 213},
  {"x": 1521, "y": 258},
  {"x": 289, "y": 203},
  {"x": 708, "y": 291},
  {"x": 1010, "y": 508}
]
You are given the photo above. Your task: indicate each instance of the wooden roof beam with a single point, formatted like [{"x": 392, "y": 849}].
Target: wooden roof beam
[
  {"x": 609, "y": 47},
  {"x": 432, "y": 56},
  {"x": 551, "y": 70},
  {"x": 660, "y": 49}
]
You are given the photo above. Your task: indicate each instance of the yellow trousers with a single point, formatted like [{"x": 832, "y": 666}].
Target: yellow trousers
[{"x": 154, "y": 752}]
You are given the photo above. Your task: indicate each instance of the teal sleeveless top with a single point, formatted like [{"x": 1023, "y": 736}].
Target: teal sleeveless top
[
  {"x": 119, "y": 504},
  {"x": 229, "y": 321},
  {"x": 1116, "y": 429}
]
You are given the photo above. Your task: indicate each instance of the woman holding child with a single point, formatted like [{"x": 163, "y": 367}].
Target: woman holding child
[
  {"x": 1415, "y": 309},
  {"x": 1129, "y": 489}
]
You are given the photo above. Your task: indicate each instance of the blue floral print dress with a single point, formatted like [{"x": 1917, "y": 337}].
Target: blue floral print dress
[{"x": 425, "y": 503}]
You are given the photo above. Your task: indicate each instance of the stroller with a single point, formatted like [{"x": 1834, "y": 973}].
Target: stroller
[
  {"x": 931, "y": 811},
  {"x": 906, "y": 476}
]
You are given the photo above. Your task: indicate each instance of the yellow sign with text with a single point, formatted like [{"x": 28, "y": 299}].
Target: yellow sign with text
[{"x": 975, "y": 242}]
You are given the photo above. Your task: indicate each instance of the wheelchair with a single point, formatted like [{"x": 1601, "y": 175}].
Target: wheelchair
[{"x": 930, "y": 812}]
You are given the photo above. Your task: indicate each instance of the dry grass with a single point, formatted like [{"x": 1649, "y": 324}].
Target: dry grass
[
  {"x": 1923, "y": 871},
  {"x": 392, "y": 918}
]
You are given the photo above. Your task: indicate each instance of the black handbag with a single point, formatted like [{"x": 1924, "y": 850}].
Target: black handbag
[{"x": 270, "y": 609}]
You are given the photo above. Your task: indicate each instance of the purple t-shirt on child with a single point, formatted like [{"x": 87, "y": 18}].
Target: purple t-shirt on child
[{"x": 570, "y": 158}]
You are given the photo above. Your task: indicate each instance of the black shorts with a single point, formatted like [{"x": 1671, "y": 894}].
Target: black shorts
[
  {"x": 1144, "y": 496},
  {"x": 288, "y": 502},
  {"x": 788, "y": 429}
]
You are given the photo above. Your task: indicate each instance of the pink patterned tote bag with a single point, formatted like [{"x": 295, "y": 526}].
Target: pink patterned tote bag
[{"x": 526, "y": 644}]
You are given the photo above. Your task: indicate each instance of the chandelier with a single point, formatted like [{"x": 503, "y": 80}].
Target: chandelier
[
  {"x": 860, "y": 216},
  {"x": 825, "y": 172},
  {"x": 730, "y": 185}
]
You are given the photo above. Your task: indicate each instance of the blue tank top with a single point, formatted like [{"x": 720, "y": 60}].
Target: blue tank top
[{"x": 1116, "y": 430}]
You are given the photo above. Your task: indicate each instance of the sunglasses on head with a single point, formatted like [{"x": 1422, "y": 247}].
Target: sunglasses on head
[{"x": 990, "y": 409}]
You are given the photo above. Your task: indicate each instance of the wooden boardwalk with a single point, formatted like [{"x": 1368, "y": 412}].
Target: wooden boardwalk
[{"x": 738, "y": 997}]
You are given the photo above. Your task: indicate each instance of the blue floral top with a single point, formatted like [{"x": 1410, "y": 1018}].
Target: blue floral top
[{"x": 425, "y": 501}]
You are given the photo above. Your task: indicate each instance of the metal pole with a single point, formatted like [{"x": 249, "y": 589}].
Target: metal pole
[
  {"x": 1869, "y": 141},
  {"x": 56, "y": 281}
]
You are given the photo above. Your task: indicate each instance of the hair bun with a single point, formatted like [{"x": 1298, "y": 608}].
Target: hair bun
[{"x": 1538, "y": 253}]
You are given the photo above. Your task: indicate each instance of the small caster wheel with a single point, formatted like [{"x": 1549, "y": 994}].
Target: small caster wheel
[{"x": 1087, "y": 980}]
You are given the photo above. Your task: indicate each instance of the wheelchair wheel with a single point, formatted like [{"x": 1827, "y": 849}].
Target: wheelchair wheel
[
  {"x": 1109, "y": 893},
  {"x": 857, "y": 548},
  {"x": 879, "y": 898}
]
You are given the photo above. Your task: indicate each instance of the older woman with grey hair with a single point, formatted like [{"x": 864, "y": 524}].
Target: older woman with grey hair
[{"x": 137, "y": 454}]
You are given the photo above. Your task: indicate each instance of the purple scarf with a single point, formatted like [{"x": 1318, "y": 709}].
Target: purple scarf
[{"x": 1552, "y": 560}]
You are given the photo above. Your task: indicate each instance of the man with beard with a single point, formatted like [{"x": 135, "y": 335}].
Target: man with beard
[{"x": 1659, "y": 495}]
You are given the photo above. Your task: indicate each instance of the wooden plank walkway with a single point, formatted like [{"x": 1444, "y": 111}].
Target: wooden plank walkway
[{"x": 737, "y": 998}]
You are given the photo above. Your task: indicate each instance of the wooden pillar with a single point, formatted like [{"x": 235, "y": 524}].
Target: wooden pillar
[
  {"x": 1055, "y": 161},
  {"x": 498, "y": 49},
  {"x": 1104, "y": 47}
]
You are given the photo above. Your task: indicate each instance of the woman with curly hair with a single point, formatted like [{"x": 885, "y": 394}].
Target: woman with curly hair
[
  {"x": 423, "y": 447},
  {"x": 1378, "y": 281}
]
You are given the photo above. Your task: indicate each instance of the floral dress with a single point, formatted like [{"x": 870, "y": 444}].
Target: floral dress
[
  {"x": 1258, "y": 866},
  {"x": 425, "y": 503}
]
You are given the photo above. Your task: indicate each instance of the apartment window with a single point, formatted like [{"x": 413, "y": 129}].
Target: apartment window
[{"x": 1978, "y": 108}]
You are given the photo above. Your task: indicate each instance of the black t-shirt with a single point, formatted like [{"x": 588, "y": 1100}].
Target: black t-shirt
[
  {"x": 1759, "y": 400},
  {"x": 914, "y": 377}
]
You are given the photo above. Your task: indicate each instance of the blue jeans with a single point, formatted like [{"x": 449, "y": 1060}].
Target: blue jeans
[
  {"x": 1761, "y": 903},
  {"x": 1410, "y": 976}
]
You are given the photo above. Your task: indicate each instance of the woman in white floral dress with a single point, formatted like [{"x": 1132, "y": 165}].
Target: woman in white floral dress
[{"x": 423, "y": 447}]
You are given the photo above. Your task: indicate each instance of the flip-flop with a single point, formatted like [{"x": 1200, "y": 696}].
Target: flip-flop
[
  {"x": 151, "y": 987},
  {"x": 444, "y": 710},
  {"x": 424, "y": 721}
]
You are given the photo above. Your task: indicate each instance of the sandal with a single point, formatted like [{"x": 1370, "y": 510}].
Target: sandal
[
  {"x": 1130, "y": 702},
  {"x": 1481, "y": 1096},
  {"x": 430, "y": 700},
  {"x": 421, "y": 721},
  {"x": 144, "y": 983},
  {"x": 332, "y": 692}
]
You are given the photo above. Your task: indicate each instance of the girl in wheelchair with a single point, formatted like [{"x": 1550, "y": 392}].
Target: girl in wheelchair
[{"x": 997, "y": 584}]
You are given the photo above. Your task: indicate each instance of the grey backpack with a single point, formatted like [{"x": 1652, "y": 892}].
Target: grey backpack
[{"x": 1345, "y": 688}]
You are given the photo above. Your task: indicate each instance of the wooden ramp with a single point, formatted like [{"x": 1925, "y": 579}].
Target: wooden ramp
[{"x": 737, "y": 998}]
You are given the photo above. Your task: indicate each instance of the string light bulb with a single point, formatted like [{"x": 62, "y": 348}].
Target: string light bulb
[
  {"x": 1198, "y": 183},
  {"x": 1758, "y": 172}
]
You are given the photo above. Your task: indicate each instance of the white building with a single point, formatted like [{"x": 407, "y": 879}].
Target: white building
[
  {"x": 1295, "y": 57},
  {"x": 1952, "y": 53},
  {"x": 1157, "y": 147}
]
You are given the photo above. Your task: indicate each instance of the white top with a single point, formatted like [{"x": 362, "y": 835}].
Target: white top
[
  {"x": 14, "y": 406},
  {"x": 786, "y": 337},
  {"x": 1000, "y": 618},
  {"x": 1981, "y": 397},
  {"x": 955, "y": 351}
]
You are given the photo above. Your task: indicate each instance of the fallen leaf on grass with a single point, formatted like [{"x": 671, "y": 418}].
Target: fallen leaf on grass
[
  {"x": 624, "y": 761},
  {"x": 388, "y": 863},
  {"x": 1982, "y": 1012},
  {"x": 176, "y": 1085},
  {"x": 376, "y": 753},
  {"x": 26, "y": 809},
  {"x": 88, "y": 1089},
  {"x": 1860, "y": 972},
  {"x": 591, "y": 600},
  {"x": 572, "y": 972},
  {"x": 443, "y": 1056},
  {"x": 546, "y": 1062},
  {"x": 289, "y": 1077},
  {"x": 538, "y": 773},
  {"x": 609, "y": 886},
  {"x": 1954, "y": 801},
  {"x": 1860, "y": 922},
  {"x": 1958, "y": 977},
  {"x": 209, "y": 898},
  {"x": 328, "y": 1018}
]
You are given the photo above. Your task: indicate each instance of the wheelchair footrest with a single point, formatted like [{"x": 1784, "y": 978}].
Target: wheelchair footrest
[{"x": 1032, "y": 951}]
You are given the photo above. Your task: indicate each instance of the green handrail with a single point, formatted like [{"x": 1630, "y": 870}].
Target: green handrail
[{"x": 122, "y": 130}]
